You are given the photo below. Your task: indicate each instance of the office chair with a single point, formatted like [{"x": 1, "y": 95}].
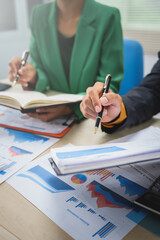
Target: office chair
[{"x": 133, "y": 65}]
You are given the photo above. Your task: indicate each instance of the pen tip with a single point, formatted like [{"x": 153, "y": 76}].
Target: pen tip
[
  {"x": 14, "y": 83},
  {"x": 95, "y": 130}
]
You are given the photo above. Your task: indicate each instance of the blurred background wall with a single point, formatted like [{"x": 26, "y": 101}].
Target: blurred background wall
[{"x": 141, "y": 21}]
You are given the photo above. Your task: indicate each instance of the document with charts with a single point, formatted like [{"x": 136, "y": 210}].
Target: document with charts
[
  {"x": 83, "y": 158},
  {"x": 14, "y": 119},
  {"x": 140, "y": 146},
  {"x": 90, "y": 205},
  {"x": 18, "y": 148}
]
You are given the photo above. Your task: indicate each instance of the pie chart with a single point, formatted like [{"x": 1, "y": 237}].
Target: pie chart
[{"x": 78, "y": 178}]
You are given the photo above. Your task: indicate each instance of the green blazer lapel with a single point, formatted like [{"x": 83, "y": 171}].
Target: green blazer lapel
[
  {"x": 82, "y": 45},
  {"x": 54, "y": 53}
]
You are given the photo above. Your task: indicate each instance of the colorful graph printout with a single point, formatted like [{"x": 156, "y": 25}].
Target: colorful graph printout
[
  {"x": 15, "y": 151},
  {"x": 18, "y": 148},
  {"x": 46, "y": 180},
  {"x": 103, "y": 173},
  {"x": 94, "y": 209},
  {"x": 11, "y": 118},
  {"x": 131, "y": 188},
  {"x": 106, "y": 197},
  {"x": 78, "y": 179}
]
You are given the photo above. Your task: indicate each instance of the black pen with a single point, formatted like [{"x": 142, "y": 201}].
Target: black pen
[
  {"x": 23, "y": 62},
  {"x": 106, "y": 88}
]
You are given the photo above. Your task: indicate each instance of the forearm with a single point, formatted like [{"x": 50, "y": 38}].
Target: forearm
[{"x": 141, "y": 104}]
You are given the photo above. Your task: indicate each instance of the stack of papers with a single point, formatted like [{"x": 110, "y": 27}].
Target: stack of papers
[{"x": 76, "y": 159}]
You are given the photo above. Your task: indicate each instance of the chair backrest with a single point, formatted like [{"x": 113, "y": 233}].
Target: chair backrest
[{"x": 133, "y": 65}]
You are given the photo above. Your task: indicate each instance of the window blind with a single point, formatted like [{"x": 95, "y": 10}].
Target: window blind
[{"x": 140, "y": 21}]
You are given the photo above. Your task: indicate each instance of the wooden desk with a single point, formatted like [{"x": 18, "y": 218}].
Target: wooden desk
[{"x": 19, "y": 219}]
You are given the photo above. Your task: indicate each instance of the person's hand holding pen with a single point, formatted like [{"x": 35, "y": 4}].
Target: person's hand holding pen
[
  {"x": 94, "y": 99},
  {"x": 27, "y": 73}
]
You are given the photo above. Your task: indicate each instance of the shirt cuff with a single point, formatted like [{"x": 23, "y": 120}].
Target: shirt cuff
[{"x": 120, "y": 119}]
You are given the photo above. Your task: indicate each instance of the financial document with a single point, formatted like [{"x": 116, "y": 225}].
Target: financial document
[
  {"x": 18, "y": 148},
  {"x": 89, "y": 205},
  {"x": 141, "y": 146},
  {"x": 14, "y": 119}
]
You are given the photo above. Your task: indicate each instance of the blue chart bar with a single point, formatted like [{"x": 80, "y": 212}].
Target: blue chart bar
[
  {"x": 10, "y": 165},
  {"x": 2, "y": 172},
  {"x": 55, "y": 184},
  {"x": 91, "y": 210},
  {"x": 81, "y": 205},
  {"x": 72, "y": 199},
  {"x": 104, "y": 231},
  {"x": 103, "y": 218},
  {"x": 50, "y": 179},
  {"x": 88, "y": 152}
]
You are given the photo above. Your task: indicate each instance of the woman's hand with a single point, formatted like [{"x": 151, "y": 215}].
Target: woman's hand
[
  {"x": 93, "y": 101},
  {"x": 49, "y": 113},
  {"x": 28, "y": 73}
]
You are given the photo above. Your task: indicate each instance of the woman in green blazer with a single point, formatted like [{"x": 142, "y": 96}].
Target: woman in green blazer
[{"x": 74, "y": 43}]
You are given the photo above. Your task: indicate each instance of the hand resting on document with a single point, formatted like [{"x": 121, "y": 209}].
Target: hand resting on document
[{"x": 48, "y": 113}]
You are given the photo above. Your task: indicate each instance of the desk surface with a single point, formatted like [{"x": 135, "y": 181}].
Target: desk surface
[{"x": 19, "y": 219}]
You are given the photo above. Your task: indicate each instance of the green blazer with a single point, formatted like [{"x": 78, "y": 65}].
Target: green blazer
[{"x": 97, "y": 49}]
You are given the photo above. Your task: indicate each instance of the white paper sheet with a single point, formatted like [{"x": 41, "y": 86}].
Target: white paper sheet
[
  {"x": 18, "y": 148},
  {"x": 146, "y": 134},
  {"x": 90, "y": 205},
  {"x": 141, "y": 146}
]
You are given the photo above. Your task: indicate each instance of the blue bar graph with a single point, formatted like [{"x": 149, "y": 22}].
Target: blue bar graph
[
  {"x": 91, "y": 210},
  {"x": 103, "y": 218},
  {"x": 105, "y": 230},
  {"x": 81, "y": 205},
  {"x": 72, "y": 199}
]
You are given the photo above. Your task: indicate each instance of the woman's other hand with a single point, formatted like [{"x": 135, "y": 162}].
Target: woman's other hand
[{"x": 49, "y": 113}]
